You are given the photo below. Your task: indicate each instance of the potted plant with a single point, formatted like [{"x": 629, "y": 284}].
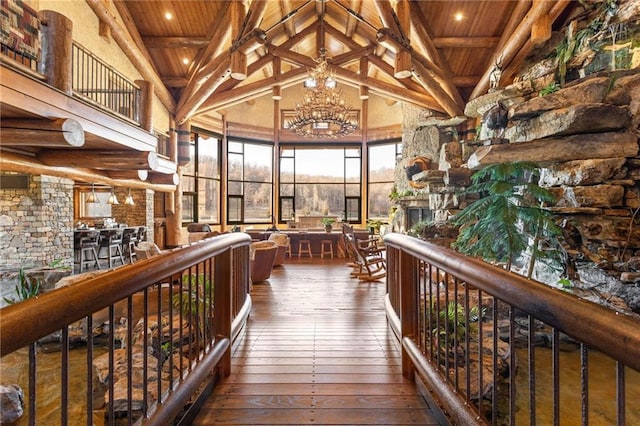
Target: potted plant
[{"x": 328, "y": 222}]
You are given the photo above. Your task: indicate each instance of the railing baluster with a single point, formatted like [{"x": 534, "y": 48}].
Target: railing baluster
[
  {"x": 494, "y": 390},
  {"x": 555, "y": 366},
  {"x": 532, "y": 370},
  {"x": 512, "y": 367},
  {"x": 89, "y": 366},
  {"x": 620, "y": 394},
  {"x": 130, "y": 326},
  {"x": 64, "y": 376},
  {"x": 584, "y": 383},
  {"x": 32, "y": 384}
]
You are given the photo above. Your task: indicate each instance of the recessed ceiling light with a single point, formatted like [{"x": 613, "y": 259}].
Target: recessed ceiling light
[
  {"x": 168, "y": 16},
  {"x": 458, "y": 16},
  {"x": 185, "y": 61}
]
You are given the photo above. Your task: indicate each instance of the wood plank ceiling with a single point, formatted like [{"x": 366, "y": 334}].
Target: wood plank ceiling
[{"x": 435, "y": 54}]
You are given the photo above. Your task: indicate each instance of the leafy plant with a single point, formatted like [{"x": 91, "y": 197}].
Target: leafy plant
[
  {"x": 508, "y": 219},
  {"x": 196, "y": 302},
  {"x": 453, "y": 319},
  {"x": 418, "y": 227},
  {"x": 374, "y": 225},
  {"x": 25, "y": 289},
  {"x": 549, "y": 88},
  {"x": 58, "y": 264},
  {"x": 328, "y": 221}
]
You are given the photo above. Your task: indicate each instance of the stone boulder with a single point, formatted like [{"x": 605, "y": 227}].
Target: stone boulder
[
  {"x": 583, "y": 172},
  {"x": 576, "y": 119},
  {"x": 11, "y": 403},
  {"x": 592, "y": 91}
]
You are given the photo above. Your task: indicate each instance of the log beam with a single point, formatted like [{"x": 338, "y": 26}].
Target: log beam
[
  {"x": 164, "y": 179},
  {"x": 141, "y": 175},
  {"x": 100, "y": 160},
  {"x": 10, "y": 162},
  {"x": 465, "y": 42},
  {"x": 175, "y": 42},
  {"x": 515, "y": 42},
  {"x": 133, "y": 52},
  {"x": 36, "y": 132}
]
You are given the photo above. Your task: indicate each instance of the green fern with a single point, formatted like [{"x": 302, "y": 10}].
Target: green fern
[
  {"x": 502, "y": 224},
  {"x": 25, "y": 289}
]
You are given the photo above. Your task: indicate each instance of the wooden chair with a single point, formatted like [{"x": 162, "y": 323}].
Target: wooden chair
[
  {"x": 88, "y": 249},
  {"x": 111, "y": 241},
  {"x": 367, "y": 266},
  {"x": 262, "y": 253}
]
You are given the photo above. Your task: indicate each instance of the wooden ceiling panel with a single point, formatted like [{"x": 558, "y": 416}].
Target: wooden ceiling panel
[{"x": 458, "y": 52}]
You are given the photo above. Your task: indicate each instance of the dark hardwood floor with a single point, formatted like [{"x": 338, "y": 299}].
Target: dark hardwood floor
[{"x": 317, "y": 350}]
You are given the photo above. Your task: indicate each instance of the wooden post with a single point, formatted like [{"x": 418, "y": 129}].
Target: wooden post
[
  {"x": 408, "y": 305},
  {"x": 541, "y": 30},
  {"x": 184, "y": 143},
  {"x": 403, "y": 65},
  {"x": 222, "y": 309},
  {"x": 57, "y": 41},
  {"x": 145, "y": 104}
]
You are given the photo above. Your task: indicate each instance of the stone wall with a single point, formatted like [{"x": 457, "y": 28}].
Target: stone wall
[
  {"x": 36, "y": 225},
  {"x": 585, "y": 138},
  {"x": 139, "y": 214}
]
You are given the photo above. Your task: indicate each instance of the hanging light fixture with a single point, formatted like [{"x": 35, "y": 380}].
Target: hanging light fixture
[
  {"x": 112, "y": 198},
  {"x": 322, "y": 112},
  {"x": 92, "y": 197},
  {"x": 129, "y": 200}
]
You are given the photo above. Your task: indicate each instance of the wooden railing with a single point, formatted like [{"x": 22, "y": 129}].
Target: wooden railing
[
  {"x": 163, "y": 336},
  {"x": 492, "y": 345},
  {"x": 96, "y": 81}
]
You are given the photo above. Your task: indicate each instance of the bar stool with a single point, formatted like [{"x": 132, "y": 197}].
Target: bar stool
[
  {"x": 304, "y": 246},
  {"x": 88, "y": 249},
  {"x": 326, "y": 247},
  {"x": 129, "y": 241},
  {"x": 112, "y": 242}
]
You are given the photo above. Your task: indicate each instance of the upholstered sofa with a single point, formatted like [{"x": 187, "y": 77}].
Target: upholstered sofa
[
  {"x": 282, "y": 242},
  {"x": 262, "y": 254}
]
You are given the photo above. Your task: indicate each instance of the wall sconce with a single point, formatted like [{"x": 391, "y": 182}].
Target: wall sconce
[
  {"x": 112, "y": 198},
  {"x": 129, "y": 200},
  {"x": 91, "y": 198}
]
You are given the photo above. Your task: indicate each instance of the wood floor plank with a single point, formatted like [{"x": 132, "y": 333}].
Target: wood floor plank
[{"x": 317, "y": 350}]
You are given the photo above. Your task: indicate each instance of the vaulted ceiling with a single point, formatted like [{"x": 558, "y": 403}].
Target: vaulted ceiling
[{"x": 435, "y": 54}]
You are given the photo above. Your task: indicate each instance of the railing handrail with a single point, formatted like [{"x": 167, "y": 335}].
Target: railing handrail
[
  {"x": 25, "y": 322},
  {"x": 105, "y": 64},
  {"x": 609, "y": 332}
]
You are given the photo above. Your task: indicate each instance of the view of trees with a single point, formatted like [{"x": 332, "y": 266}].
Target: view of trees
[{"x": 315, "y": 181}]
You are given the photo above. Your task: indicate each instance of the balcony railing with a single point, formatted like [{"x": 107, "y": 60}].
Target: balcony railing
[
  {"x": 94, "y": 80},
  {"x": 155, "y": 336},
  {"x": 492, "y": 345}
]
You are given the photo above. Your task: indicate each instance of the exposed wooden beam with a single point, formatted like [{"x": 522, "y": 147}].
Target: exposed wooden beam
[
  {"x": 438, "y": 67},
  {"x": 388, "y": 70},
  {"x": 465, "y": 80},
  {"x": 515, "y": 43},
  {"x": 252, "y": 69},
  {"x": 431, "y": 85},
  {"x": 292, "y": 57},
  {"x": 530, "y": 44},
  {"x": 11, "y": 162},
  {"x": 388, "y": 90},
  {"x": 132, "y": 28},
  {"x": 231, "y": 97},
  {"x": 175, "y": 81},
  {"x": 465, "y": 42},
  {"x": 128, "y": 174},
  {"x": 352, "y": 22},
  {"x": 41, "y": 132},
  {"x": 338, "y": 35},
  {"x": 189, "y": 106},
  {"x": 133, "y": 52},
  {"x": 255, "y": 15},
  {"x": 286, "y": 8},
  {"x": 100, "y": 159},
  {"x": 386, "y": 15},
  {"x": 297, "y": 38},
  {"x": 353, "y": 55},
  {"x": 175, "y": 42},
  {"x": 164, "y": 179}
]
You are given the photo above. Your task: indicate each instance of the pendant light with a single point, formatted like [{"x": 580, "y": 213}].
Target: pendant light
[
  {"x": 91, "y": 197},
  {"x": 129, "y": 200},
  {"x": 112, "y": 198}
]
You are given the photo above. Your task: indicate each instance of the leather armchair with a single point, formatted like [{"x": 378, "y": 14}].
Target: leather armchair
[
  {"x": 282, "y": 242},
  {"x": 262, "y": 254}
]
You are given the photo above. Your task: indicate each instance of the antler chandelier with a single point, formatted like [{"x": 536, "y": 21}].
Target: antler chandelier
[{"x": 322, "y": 112}]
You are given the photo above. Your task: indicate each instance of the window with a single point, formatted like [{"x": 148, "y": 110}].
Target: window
[
  {"x": 320, "y": 181},
  {"x": 382, "y": 163},
  {"x": 250, "y": 182},
  {"x": 201, "y": 180}
]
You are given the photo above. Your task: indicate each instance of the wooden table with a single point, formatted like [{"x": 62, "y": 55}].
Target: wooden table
[{"x": 315, "y": 237}]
